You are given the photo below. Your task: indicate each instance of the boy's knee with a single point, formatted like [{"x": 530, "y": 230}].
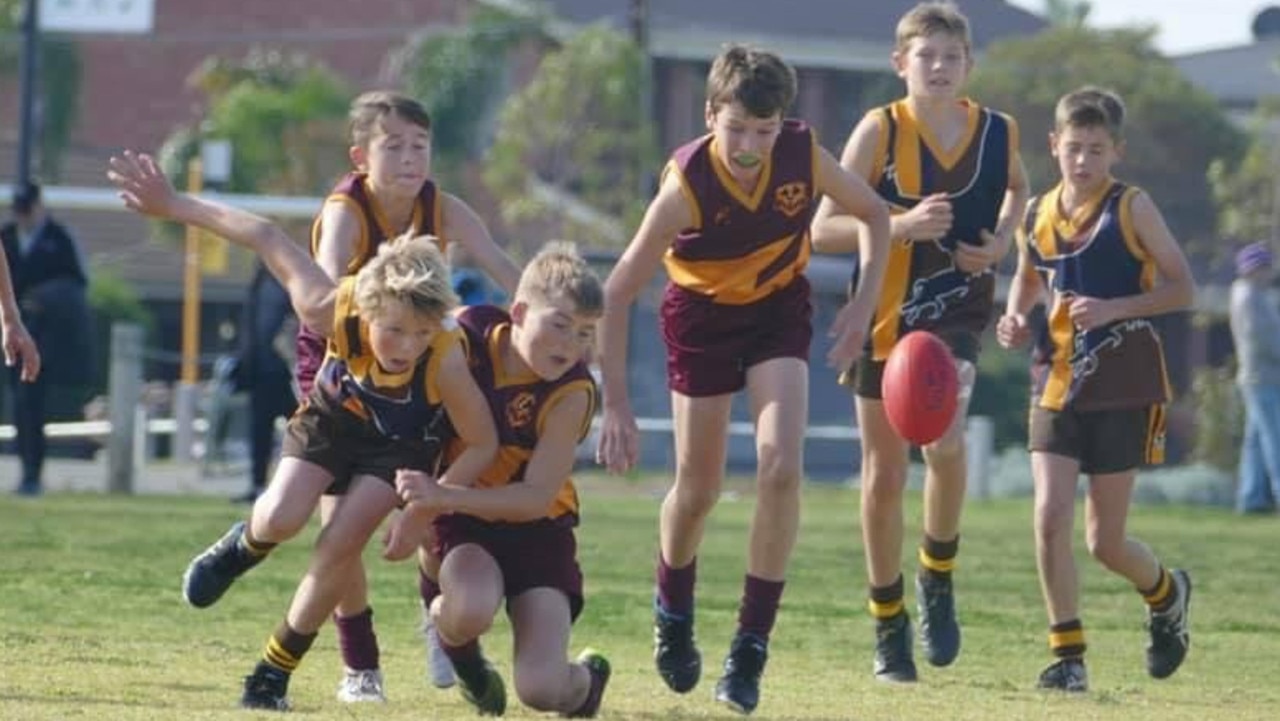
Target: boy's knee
[
  {"x": 1109, "y": 552},
  {"x": 538, "y": 690},
  {"x": 462, "y": 622},
  {"x": 697, "y": 499},
  {"x": 779, "y": 472}
]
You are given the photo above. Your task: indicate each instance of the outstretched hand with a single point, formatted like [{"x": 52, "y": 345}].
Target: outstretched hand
[{"x": 143, "y": 186}]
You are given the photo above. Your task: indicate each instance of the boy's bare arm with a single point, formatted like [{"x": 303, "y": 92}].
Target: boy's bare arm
[
  {"x": 470, "y": 414},
  {"x": 836, "y": 229},
  {"x": 340, "y": 228},
  {"x": 18, "y": 345},
  {"x": 463, "y": 226},
  {"x": 145, "y": 189}
]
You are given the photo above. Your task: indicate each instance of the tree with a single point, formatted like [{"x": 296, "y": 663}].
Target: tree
[
  {"x": 1173, "y": 131},
  {"x": 459, "y": 77},
  {"x": 574, "y": 145},
  {"x": 1246, "y": 192},
  {"x": 1067, "y": 13},
  {"x": 59, "y": 85},
  {"x": 285, "y": 117}
]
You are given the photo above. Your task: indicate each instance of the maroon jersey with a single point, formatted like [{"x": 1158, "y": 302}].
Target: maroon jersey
[
  {"x": 519, "y": 403},
  {"x": 353, "y": 190},
  {"x": 744, "y": 247}
]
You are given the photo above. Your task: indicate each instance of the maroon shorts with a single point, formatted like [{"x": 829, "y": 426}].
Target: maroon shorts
[
  {"x": 711, "y": 345},
  {"x": 538, "y": 554},
  {"x": 347, "y": 447}
]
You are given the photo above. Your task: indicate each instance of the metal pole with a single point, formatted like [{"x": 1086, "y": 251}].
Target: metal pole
[
  {"x": 27, "y": 91},
  {"x": 124, "y": 392},
  {"x": 640, "y": 33},
  {"x": 187, "y": 399}
]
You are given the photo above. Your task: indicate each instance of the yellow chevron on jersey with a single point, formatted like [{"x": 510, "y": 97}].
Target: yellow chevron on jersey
[
  {"x": 350, "y": 343},
  {"x": 353, "y": 192},
  {"x": 736, "y": 281},
  {"x": 1094, "y": 251}
]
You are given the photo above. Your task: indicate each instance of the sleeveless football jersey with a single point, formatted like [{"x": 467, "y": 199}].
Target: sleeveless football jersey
[{"x": 1094, "y": 253}]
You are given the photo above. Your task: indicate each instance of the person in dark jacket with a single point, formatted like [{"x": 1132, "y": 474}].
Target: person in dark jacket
[
  {"x": 263, "y": 373},
  {"x": 49, "y": 283}
]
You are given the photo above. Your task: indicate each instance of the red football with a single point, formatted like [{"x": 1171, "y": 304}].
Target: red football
[{"x": 919, "y": 387}]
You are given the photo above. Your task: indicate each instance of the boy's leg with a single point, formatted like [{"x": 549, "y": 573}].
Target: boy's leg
[
  {"x": 1165, "y": 592},
  {"x": 701, "y": 447},
  {"x": 884, "y": 476},
  {"x": 944, "y": 491},
  {"x": 277, "y": 516},
  {"x": 1055, "y": 496},
  {"x": 353, "y": 619},
  {"x": 472, "y": 591},
  {"x": 544, "y": 679},
  {"x": 1268, "y": 420},
  {"x": 338, "y": 547},
  {"x": 439, "y": 669},
  {"x": 778, "y": 391}
]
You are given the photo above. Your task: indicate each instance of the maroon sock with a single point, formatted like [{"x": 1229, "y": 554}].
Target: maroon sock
[
  {"x": 759, "y": 606},
  {"x": 427, "y": 588},
  {"x": 467, "y": 660},
  {"x": 356, "y": 639},
  {"x": 675, "y": 587}
]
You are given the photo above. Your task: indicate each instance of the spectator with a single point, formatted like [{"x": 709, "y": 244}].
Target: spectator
[
  {"x": 1255, "y": 329},
  {"x": 49, "y": 282},
  {"x": 263, "y": 373}
]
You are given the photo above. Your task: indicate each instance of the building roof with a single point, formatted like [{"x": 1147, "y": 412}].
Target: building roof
[
  {"x": 1236, "y": 76},
  {"x": 839, "y": 34}
]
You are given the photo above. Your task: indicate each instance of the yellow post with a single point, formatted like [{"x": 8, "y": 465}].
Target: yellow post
[{"x": 191, "y": 286}]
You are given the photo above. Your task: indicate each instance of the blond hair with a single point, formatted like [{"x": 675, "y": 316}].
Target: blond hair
[
  {"x": 929, "y": 18},
  {"x": 757, "y": 79},
  {"x": 557, "y": 272},
  {"x": 1090, "y": 107},
  {"x": 368, "y": 111},
  {"x": 408, "y": 269}
]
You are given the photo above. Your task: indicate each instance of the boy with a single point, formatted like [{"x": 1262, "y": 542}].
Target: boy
[
  {"x": 511, "y": 536},
  {"x": 396, "y": 366},
  {"x": 951, "y": 172},
  {"x": 390, "y": 192},
  {"x": 1101, "y": 250},
  {"x": 731, "y": 222}
]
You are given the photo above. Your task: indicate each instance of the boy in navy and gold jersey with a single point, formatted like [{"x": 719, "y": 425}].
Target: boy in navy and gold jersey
[
  {"x": 731, "y": 224},
  {"x": 1097, "y": 252},
  {"x": 509, "y": 539},
  {"x": 389, "y": 192},
  {"x": 396, "y": 365},
  {"x": 951, "y": 172}
]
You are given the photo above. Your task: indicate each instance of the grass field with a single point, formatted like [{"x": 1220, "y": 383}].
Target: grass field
[{"x": 92, "y": 624}]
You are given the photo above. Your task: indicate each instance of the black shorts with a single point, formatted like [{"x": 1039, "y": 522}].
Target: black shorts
[
  {"x": 347, "y": 447},
  {"x": 1108, "y": 441},
  {"x": 867, "y": 374}
]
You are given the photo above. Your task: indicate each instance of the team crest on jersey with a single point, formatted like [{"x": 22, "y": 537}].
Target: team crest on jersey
[
  {"x": 722, "y": 215},
  {"x": 520, "y": 410},
  {"x": 791, "y": 198}
]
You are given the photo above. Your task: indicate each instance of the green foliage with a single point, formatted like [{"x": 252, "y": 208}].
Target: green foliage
[
  {"x": 577, "y": 128},
  {"x": 1219, "y": 418},
  {"x": 1173, "y": 130},
  {"x": 1245, "y": 192},
  {"x": 459, "y": 77},
  {"x": 112, "y": 300},
  {"x": 1068, "y": 13},
  {"x": 284, "y": 116},
  {"x": 58, "y": 85},
  {"x": 1002, "y": 392}
]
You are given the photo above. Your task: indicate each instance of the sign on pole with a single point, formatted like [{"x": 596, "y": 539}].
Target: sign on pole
[{"x": 97, "y": 16}]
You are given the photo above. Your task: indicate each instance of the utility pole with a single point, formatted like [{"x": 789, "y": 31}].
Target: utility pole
[
  {"x": 640, "y": 33},
  {"x": 27, "y": 90}
]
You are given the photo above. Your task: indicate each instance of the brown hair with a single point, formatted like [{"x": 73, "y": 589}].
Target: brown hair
[
  {"x": 1090, "y": 107},
  {"x": 559, "y": 271},
  {"x": 928, "y": 18},
  {"x": 368, "y": 110},
  {"x": 757, "y": 79}
]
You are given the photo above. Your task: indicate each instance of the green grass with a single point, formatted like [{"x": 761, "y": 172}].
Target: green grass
[{"x": 92, "y": 625}]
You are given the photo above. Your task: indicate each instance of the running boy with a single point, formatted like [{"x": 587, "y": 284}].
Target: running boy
[
  {"x": 951, "y": 172},
  {"x": 510, "y": 537},
  {"x": 1102, "y": 252},
  {"x": 731, "y": 223},
  {"x": 390, "y": 192},
  {"x": 396, "y": 366}
]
